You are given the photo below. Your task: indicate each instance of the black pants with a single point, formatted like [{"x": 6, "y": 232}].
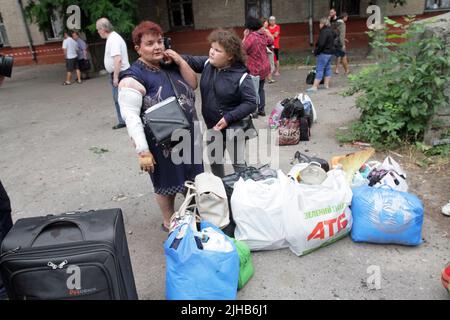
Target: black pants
[
  {"x": 237, "y": 156},
  {"x": 5, "y": 216},
  {"x": 262, "y": 96}
]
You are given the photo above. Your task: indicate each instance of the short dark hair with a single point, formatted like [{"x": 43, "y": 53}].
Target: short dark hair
[
  {"x": 344, "y": 14},
  {"x": 230, "y": 41},
  {"x": 253, "y": 23}
]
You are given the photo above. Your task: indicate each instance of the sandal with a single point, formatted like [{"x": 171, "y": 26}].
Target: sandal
[
  {"x": 164, "y": 228},
  {"x": 79, "y": 81},
  {"x": 65, "y": 83},
  {"x": 271, "y": 81}
]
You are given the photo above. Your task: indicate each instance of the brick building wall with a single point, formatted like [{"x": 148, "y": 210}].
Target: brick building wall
[
  {"x": 14, "y": 26},
  {"x": 218, "y": 13}
]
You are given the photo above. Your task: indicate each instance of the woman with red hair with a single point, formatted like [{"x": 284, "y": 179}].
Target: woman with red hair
[{"x": 145, "y": 84}]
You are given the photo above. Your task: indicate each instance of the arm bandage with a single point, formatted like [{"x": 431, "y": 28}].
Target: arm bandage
[{"x": 130, "y": 101}]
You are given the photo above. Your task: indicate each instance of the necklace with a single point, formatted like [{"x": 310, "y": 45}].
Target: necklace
[{"x": 148, "y": 66}]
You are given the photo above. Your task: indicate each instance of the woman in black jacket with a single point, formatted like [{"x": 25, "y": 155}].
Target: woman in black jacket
[
  {"x": 324, "y": 53},
  {"x": 228, "y": 95}
]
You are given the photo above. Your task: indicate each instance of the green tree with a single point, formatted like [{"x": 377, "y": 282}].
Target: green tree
[
  {"x": 121, "y": 13},
  {"x": 399, "y": 95}
]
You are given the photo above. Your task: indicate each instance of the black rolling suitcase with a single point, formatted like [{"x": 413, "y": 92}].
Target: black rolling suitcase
[{"x": 82, "y": 255}]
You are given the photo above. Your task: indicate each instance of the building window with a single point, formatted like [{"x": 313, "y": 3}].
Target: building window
[
  {"x": 437, "y": 5},
  {"x": 3, "y": 36},
  {"x": 55, "y": 31},
  {"x": 181, "y": 14},
  {"x": 349, "y": 6},
  {"x": 258, "y": 8}
]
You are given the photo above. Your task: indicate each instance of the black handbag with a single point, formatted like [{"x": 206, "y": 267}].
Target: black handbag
[
  {"x": 85, "y": 65},
  {"x": 166, "y": 117},
  {"x": 303, "y": 158},
  {"x": 312, "y": 76}
]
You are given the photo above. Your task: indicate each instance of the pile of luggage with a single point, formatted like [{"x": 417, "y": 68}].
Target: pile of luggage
[
  {"x": 212, "y": 234},
  {"x": 316, "y": 204},
  {"x": 293, "y": 118}
]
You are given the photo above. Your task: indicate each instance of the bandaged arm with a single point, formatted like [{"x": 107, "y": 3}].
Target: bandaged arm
[{"x": 130, "y": 101}]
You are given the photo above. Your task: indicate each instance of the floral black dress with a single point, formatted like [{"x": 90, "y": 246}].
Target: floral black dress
[{"x": 169, "y": 177}]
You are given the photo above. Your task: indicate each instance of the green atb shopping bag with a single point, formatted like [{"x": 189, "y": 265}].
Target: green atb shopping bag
[{"x": 246, "y": 268}]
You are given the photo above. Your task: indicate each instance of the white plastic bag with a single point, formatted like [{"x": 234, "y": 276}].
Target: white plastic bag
[
  {"x": 305, "y": 99},
  {"x": 317, "y": 215},
  {"x": 396, "y": 178},
  {"x": 257, "y": 208}
]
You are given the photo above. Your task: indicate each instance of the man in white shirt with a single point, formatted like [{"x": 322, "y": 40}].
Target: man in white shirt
[
  {"x": 70, "y": 48},
  {"x": 116, "y": 60}
]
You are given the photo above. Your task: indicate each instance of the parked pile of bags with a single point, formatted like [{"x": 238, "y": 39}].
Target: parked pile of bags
[
  {"x": 309, "y": 208},
  {"x": 293, "y": 117}
]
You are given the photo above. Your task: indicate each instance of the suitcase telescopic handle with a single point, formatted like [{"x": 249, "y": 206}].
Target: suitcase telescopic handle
[{"x": 55, "y": 221}]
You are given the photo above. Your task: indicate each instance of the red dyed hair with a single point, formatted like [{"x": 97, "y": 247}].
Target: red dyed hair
[{"x": 145, "y": 27}]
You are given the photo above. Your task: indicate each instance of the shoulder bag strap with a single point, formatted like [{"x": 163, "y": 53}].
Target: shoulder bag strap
[{"x": 172, "y": 84}]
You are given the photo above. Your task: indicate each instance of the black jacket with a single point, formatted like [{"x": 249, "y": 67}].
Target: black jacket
[
  {"x": 221, "y": 94},
  {"x": 325, "y": 44}
]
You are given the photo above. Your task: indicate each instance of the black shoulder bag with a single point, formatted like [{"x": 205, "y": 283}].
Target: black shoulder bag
[{"x": 165, "y": 117}]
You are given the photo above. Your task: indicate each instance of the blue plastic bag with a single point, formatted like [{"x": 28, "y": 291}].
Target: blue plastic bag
[
  {"x": 197, "y": 274},
  {"x": 384, "y": 215}
]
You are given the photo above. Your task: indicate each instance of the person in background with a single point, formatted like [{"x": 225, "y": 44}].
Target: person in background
[
  {"x": 255, "y": 44},
  {"x": 116, "y": 60},
  {"x": 275, "y": 30},
  {"x": 270, "y": 53},
  {"x": 332, "y": 17},
  {"x": 82, "y": 53},
  {"x": 341, "y": 53},
  {"x": 70, "y": 48},
  {"x": 324, "y": 52},
  {"x": 5, "y": 225}
]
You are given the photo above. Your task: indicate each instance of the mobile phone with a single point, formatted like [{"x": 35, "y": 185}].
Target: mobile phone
[{"x": 167, "y": 43}]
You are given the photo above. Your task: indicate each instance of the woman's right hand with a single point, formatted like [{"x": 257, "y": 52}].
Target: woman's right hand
[
  {"x": 172, "y": 56},
  {"x": 146, "y": 161}
]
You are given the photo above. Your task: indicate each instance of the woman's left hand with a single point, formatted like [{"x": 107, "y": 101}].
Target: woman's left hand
[
  {"x": 222, "y": 124},
  {"x": 172, "y": 56}
]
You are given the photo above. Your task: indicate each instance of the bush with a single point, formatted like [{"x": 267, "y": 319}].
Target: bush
[{"x": 400, "y": 94}]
